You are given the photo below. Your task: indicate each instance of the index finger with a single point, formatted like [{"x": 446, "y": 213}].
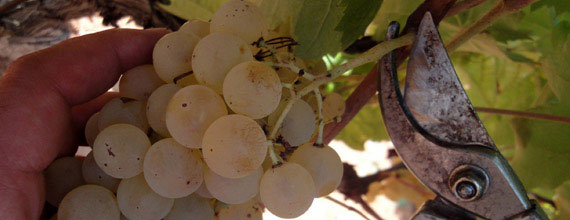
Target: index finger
[{"x": 83, "y": 68}]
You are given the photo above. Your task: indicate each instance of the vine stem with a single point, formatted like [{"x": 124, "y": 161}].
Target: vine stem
[
  {"x": 462, "y": 6},
  {"x": 347, "y": 206},
  {"x": 502, "y": 8},
  {"x": 319, "y": 99},
  {"x": 371, "y": 55},
  {"x": 522, "y": 114}
]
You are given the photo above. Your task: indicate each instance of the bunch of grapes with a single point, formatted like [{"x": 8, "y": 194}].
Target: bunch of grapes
[{"x": 189, "y": 136}]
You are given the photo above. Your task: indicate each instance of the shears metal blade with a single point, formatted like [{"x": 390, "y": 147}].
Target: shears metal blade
[{"x": 441, "y": 140}]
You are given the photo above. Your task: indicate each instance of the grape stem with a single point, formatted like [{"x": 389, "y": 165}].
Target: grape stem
[
  {"x": 274, "y": 158},
  {"x": 319, "y": 99},
  {"x": 371, "y": 55}
]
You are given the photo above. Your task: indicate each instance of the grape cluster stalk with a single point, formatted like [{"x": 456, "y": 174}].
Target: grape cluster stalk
[{"x": 221, "y": 125}]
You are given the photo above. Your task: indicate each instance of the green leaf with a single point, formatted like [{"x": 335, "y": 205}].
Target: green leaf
[
  {"x": 502, "y": 31},
  {"x": 517, "y": 57},
  {"x": 315, "y": 28},
  {"x": 366, "y": 125},
  {"x": 559, "y": 6},
  {"x": 279, "y": 12},
  {"x": 357, "y": 15},
  {"x": 193, "y": 9},
  {"x": 321, "y": 27},
  {"x": 541, "y": 156},
  {"x": 562, "y": 201},
  {"x": 392, "y": 10}
]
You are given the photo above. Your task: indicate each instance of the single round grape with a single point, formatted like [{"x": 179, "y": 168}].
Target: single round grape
[
  {"x": 172, "y": 170},
  {"x": 190, "y": 111},
  {"x": 324, "y": 165},
  {"x": 61, "y": 176},
  {"x": 139, "y": 82},
  {"x": 287, "y": 191},
  {"x": 241, "y": 18},
  {"x": 250, "y": 210},
  {"x": 253, "y": 89},
  {"x": 138, "y": 201},
  {"x": 299, "y": 124},
  {"x": 172, "y": 55},
  {"x": 197, "y": 27},
  {"x": 95, "y": 175},
  {"x": 215, "y": 55},
  {"x": 89, "y": 202},
  {"x": 203, "y": 191},
  {"x": 119, "y": 150},
  {"x": 333, "y": 106},
  {"x": 123, "y": 111},
  {"x": 233, "y": 191},
  {"x": 191, "y": 207},
  {"x": 92, "y": 129},
  {"x": 234, "y": 146},
  {"x": 156, "y": 108}
]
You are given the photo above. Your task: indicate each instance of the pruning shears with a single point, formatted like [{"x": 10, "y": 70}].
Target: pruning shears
[{"x": 441, "y": 140}]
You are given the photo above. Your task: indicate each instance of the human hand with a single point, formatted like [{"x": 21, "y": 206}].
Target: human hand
[{"x": 45, "y": 100}]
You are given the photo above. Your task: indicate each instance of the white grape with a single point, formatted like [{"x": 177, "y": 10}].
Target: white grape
[
  {"x": 190, "y": 111},
  {"x": 123, "y": 111},
  {"x": 89, "y": 202},
  {"x": 92, "y": 129},
  {"x": 138, "y": 201},
  {"x": 191, "y": 207},
  {"x": 299, "y": 124},
  {"x": 250, "y": 210},
  {"x": 172, "y": 170},
  {"x": 139, "y": 82},
  {"x": 233, "y": 191},
  {"x": 324, "y": 165},
  {"x": 95, "y": 175},
  {"x": 333, "y": 106},
  {"x": 156, "y": 108},
  {"x": 215, "y": 55},
  {"x": 197, "y": 27},
  {"x": 203, "y": 191},
  {"x": 172, "y": 55},
  {"x": 61, "y": 176},
  {"x": 287, "y": 191},
  {"x": 240, "y": 18},
  {"x": 234, "y": 146},
  {"x": 253, "y": 89},
  {"x": 119, "y": 150}
]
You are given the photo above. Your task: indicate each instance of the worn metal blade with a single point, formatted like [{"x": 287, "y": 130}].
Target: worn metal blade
[
  {"x": 434, "y": 162},
  {"x": 435, "y": 95}
]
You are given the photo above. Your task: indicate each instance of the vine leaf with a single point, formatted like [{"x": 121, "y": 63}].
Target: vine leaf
[
  {"x": 193, "y": 9},
  {"x": 366, "y": 125},
  {"x": 315, "y": 28},
  {"x": 560, "y": 7},
  {"x": 541, "y": 155},
  {"x": 357, "y": 15}
]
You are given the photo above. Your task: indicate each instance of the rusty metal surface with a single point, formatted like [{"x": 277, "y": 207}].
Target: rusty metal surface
[
  {"x": 435, "y": 95},
  {"x": 433, "y": 163}
]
